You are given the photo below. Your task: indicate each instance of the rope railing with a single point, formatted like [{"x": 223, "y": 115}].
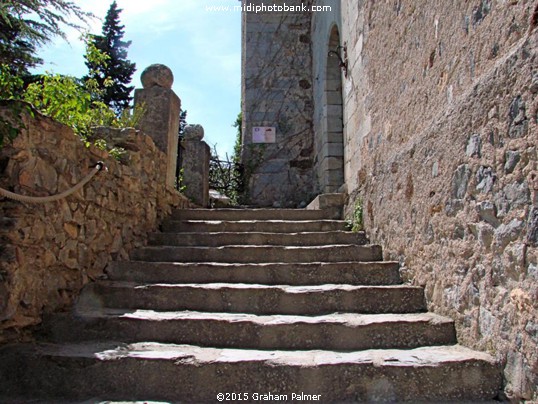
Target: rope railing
[{"x": 46, "y": 199}]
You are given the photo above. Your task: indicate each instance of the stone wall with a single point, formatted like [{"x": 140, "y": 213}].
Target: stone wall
[
  {"x": 440, "y": 126},
  {"x": 277, "y": 92},
  {"x": 50, "y": 251}
]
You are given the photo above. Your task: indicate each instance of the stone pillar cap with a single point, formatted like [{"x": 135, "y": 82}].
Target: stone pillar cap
[
  {"x": 157, "y": 75},
  {"x": 194, "y": 132}
]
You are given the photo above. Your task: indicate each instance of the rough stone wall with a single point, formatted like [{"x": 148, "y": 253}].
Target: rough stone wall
[
  {"x": 441, "y": 146},
  {"x": 50, "y": 251},
  {"x": 277, "y": 92}
]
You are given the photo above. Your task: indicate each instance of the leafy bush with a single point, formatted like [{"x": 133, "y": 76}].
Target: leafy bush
[
  {"x": 10, "y": 84},
  {"x": 72, "y": 102},
  {"x": 66, "y": 100}
]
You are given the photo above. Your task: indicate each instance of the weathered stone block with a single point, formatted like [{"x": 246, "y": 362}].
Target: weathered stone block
[
  {"x": 487, "y": 212},
  {"x": 334, "y": 178},
  {"x": 334, "y": 97},
  {"x": 507, "y": 233},
  {"x": 519, "y": 375},
  {"x": 532, "y": 227},
  {"x": 460, "y": 181},
  {"x": 485, "y": 177},
  {"x": 474, "y": 147},
  {"x": 485, "y": 235},
  {"x": 332, "y": 150},
  {"x": 519, "y": 124},
  {"x": 335, "y": 137},
  {"x": 332, "y": 163},
  {"x": 512, "y": 158},
  {"x": 517, "y": 194}
]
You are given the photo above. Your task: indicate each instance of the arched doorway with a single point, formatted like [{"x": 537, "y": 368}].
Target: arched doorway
[{"x": 332, "y": 152}]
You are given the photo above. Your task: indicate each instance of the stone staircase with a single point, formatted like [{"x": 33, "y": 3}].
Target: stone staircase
[{"x": 259, "y": 305}]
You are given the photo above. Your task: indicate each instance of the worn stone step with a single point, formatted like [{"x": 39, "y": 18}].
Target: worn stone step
[
  {"x": 155, "y": 371},
  {"x": 337, "y": 331},
  {"x": 255, "y": 299},
  {"x": 257, "y": 238},
  {"x": 252, "y": 214},
  {"x": 266, "y": 226},
  {"x": 353, "y": 273},
  {"x": 259, "y": 254}
]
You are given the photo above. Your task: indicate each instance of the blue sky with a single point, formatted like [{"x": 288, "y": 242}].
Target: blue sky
[{"x": 202, "y": 48}]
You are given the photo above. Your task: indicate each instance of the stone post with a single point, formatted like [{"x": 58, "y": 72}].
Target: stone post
[
  {"x": 160, "y": 119},
  {"x": 196, "y": 165}
]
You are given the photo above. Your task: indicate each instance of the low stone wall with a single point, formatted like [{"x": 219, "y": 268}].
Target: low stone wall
[{"x": 50, "y": 251}]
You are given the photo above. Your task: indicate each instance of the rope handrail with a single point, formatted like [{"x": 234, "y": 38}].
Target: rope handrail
[{"x": 45, "y": 199}]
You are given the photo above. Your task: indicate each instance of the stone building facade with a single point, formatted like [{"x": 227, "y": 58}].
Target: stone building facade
[
  {"x": 277, "y": 93},
  {"x": 429, "y": 122}
]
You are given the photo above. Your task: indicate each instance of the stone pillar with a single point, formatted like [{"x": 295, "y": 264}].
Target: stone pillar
[
  {"x": 196, "y": 165},
  {"x": 160, "y": 119}
]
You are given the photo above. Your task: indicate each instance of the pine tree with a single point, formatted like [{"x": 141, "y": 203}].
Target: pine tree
[
  {"x": 118, "y": 69},
  {"x": 27, "y": 24},
  {"x": 16, "y": 51}
]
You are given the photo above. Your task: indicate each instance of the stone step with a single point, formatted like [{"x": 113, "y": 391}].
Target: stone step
[
  {"x": 184, "y": 373},
  {"x": 259, "y": 254},
  {"x": 337, "y": 331},
  {"x": 353, "y": 273},
  {"x": 257, "y": 238},
  {"x": 265, "y": 226},
  {"x": 252, "y": 214},
  {"x": 255, "y": 299}
]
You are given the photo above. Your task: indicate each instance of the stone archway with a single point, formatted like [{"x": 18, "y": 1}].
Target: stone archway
[{"x": 331, "y": 156}]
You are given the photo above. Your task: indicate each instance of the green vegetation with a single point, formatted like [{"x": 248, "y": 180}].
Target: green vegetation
[
  {"x": 355, "y": 221},
  {"x": 96, "y": 100},
  {"x": 28, "y": 24},
  {"x": 238, "y": 124},
  {"x": 70, "y": 101},
  {"x": 16, "y": 51},
  {"x": 10, "y": 84},
  {"x": 24, "y": 26},
  {"x": 10, "y": 88},
  {"x": 227, "y": 176},
  {"x": 180, "y": 181}
]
